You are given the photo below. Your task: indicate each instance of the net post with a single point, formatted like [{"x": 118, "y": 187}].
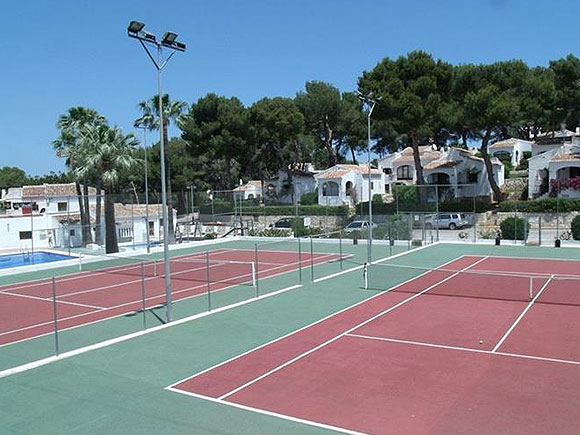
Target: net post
[
  {"x": 256, "y": 269},
  {"x": 340, "y": 248},
  {"x": 143, "y": 295},
  {"x": 311, "y": 258},
  {"x": 208, "y": 280},
  {"x": 55, "y": 317},
  {"x": 299, "y": 261},
  {"x": 81, "y": 262},
  {"x": 253, "y": 273},
  {"x": 366, "y": 275},
  {"x": 531, "y": 295}
]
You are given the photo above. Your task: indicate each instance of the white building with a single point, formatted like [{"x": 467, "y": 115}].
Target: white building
[
  {"x": 512, "y": 149},
  {"x": 399, "y": 168},
  {"x": 348, "y": 185},
  {"x": 553, "y": 169},
  {"x": 553, "y": 140},
  {"x": 290, "y": 184},
  {"x": 36, "y": 217},
  {"x": 463, "y": 173},
  {"x": 251, "y": 190}
]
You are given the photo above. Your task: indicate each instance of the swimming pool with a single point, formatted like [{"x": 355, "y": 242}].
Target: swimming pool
[{"x": 26, "y": 259}]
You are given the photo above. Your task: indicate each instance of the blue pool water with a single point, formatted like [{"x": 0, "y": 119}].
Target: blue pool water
[{"x": 15, "y": 260}]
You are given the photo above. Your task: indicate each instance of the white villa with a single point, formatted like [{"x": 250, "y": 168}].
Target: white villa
[
  {"x": 399, "y": 168},
  {"x": 557, "y": 165},
  {"x": 512, "y": 149},
  {"x": 48, "y": 216},
  {"x": 291, "y": 184},
  {"x": 348, "y": 185},
  {"x": 461, "y": 170},
  {"x": 251, "y": 190},
  {"x": 553, "y": 140}
]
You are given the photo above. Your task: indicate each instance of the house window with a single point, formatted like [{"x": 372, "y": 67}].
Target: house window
[
  {"x": 72, "y": 233},
  {"x": 472, "y": 177},
  {"x": 330, "y": 188},
  {"x": 372, "y": 185},
  {"x": 387, "y": 171},
  {"x": 25, "y": 235},
  {"x": 404, "y": 172},
  {"x": 348, "y": 188},
  {"x": 62, "y": 206},
  {"x": 151, "y": 228}
]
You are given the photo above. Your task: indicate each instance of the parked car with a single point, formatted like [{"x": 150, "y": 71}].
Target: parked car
[
  {"x": 452, "y": 221},
  {"x": 282, "y": 223},
  {"x": 358, "y": 226}
]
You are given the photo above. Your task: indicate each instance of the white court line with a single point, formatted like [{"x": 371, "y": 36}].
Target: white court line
[
  {"x": 269, "y": 413},
  {"x": 317, "y": 321},
  {"x": 327, "y": 342},
  {"x": 466, "y": 349},
  {"x": 38, "y": 298},
  {"x": 160, "y": 295},
  {"x": 521, "y": 316}
]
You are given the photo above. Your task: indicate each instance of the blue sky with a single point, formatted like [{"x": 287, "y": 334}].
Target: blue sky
[{"x": 59, "y": 54}]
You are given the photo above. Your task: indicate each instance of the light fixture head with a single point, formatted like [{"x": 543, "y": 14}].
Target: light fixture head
[
  {"x": 135, "y": 27},
  {"x": 168, "y": 38}
]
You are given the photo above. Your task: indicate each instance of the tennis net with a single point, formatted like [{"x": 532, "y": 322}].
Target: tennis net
[
  {"x": 471, "y": 283},
  {"x": 196, "y": 268}
]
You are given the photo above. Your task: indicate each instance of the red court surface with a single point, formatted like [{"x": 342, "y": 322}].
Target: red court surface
[
  {"x": 26, "y": 309},
  {"x": 456, "y": 350}
]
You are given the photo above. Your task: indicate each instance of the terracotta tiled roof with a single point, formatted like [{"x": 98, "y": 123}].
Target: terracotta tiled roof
[
  {"x": 250, "y": 185},
  {"x": 52, "y": 190},
  {"x": 508, "y": 143},
  {"x": 437, "y": 164},
  {"x": 338, "y": 171}
]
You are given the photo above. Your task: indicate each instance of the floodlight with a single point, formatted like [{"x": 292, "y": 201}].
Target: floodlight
[
  {"x": 168, "y": 38},
  {"x": 135, "y": 27}
]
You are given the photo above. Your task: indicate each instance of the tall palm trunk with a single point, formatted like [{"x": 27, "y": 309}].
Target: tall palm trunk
[
  {"x": 111, "y": 245},
  {"x": 87, "y": 235},
  {"x": 98, "y": 225},
  {"x": 171, "y": 237},
  {"x": 81, "y": 210}
]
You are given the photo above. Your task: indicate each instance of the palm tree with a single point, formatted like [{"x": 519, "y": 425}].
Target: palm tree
[
  {"x": 172, "y": 110},
  {"x": 109, "y": 152},
  {"x": 67, "y": 145}
]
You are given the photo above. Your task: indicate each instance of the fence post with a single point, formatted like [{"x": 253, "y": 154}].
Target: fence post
[
  {"x": 437, "y": 209},
  {"x": 539, "y": 230},
  {"x": 311, "y": 259},
  {"x": 340, "y": 248},
  {"x": 257, "y": 270},
  {"x": 55, "y": 317},
  {"x": 208, "y": 280},
  {"x": 143, "y": 295},
  {"x": 299, "y": 260},
  {"x": 474, "y": 219}
]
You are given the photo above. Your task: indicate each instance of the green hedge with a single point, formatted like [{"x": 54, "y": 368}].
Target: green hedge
[
  {"x": 576, "y": 228},
  {"x": 545, "y": 205},
  {"x": 513, "y": 228},
  {"x": 455, "y": 205},
  {"x": 279, "y": 210}
]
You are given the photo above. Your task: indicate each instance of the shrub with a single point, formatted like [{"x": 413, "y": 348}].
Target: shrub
[
  {"x": 309, "y": 198},
  {"x": 290, "y": 210},
  {"x": 269, "y": 232},
  {"x": 575, "y": 227},
  {"x": 300, "y": 230},
  {"x": 545, "y": 205},
  {"x": 513, "y": 228}
]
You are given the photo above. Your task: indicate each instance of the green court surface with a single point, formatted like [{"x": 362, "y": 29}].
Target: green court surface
[{"x": 121, "y": 388}]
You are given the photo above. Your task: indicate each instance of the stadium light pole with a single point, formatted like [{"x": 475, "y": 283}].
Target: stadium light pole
[
  {"x": 371, "y": 102},
  {"x": 144, "y": 128},
  {"x": 135, "y": 30}
]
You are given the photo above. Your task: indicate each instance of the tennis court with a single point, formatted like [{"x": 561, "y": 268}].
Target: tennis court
[
  {"x": 28, "y": 309},
  {"x": 435, "y": 354},
  {"x": 439, "y": 339}
]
